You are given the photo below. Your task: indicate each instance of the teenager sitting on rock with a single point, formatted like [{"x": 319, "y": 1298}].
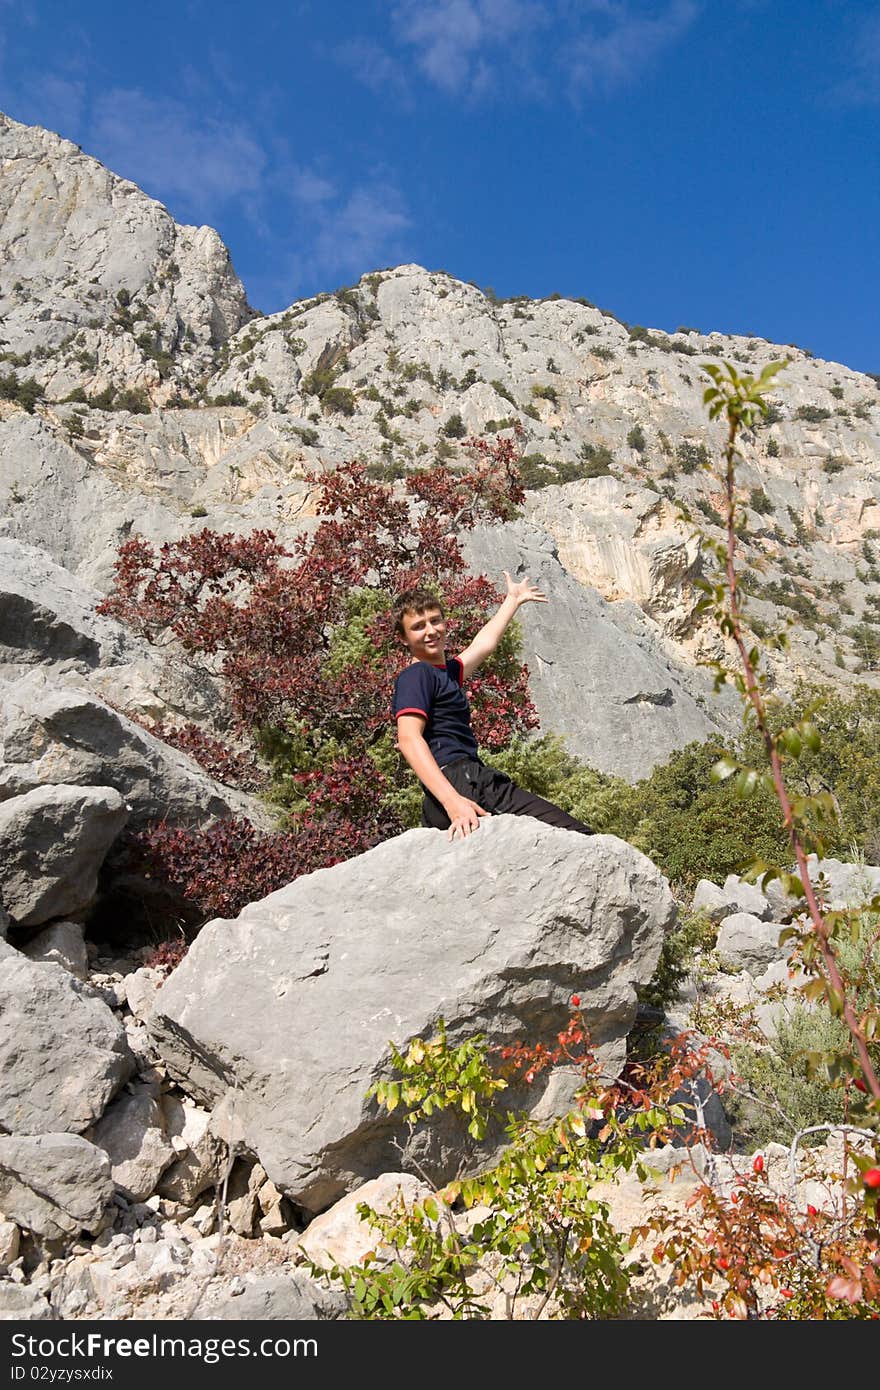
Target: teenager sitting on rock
[{"x": 434, "y": 719}]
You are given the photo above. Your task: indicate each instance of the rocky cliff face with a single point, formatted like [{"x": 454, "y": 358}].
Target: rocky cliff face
[
  {"x": 107, "y": 303},
  {"x": 98, "y": 284}
]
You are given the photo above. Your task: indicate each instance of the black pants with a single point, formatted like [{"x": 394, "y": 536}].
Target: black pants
[{"x": 495, "y": 792}]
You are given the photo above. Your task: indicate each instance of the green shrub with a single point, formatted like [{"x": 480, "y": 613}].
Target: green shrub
[
  {"x": 339, "y": 400},
  {"x": 760, "y": 502},
  {"x": 813, "y": 414},
  {"x": 772, "y": 448},
  {"x": 691, "y": 456},
  {"x": 835, "y": 463},
  {"x": 454, "y": 428},
  {"x": 545, "y": 393},
  {"x": 308, "y": 436},
  {"x": 501, "y": 390},
  {"x": 709, "y": 512},
  {"x": 317, "y": 383},
  {"x": 25, "y": 393},
  {"x": 595, "y": 461},
  {"x": 785, "y": 1092},
  {"x": 636, "y": 439},
  {"x": 692, "y": 932},
  {"x": 133, "y": 399}
]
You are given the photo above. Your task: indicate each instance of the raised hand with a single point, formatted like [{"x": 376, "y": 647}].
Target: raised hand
[{"x": 525, "y": 591}]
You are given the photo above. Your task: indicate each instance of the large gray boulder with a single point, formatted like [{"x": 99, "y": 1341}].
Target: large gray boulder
[
  {"x": 55, "y": 1185},
  {"x": 286, "y": 1013},
  {"x": 279, "y": 1298},
  {"x": 53, "y": 841},
  {"x": 63, "y": 1052},
  {"x": 48, "y": 620},
  {"x": 599, "y": 673},
  {"x": 52, "y": 734}
]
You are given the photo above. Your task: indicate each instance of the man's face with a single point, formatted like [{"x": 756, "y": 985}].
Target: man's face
[{"x": 425, "y": 635}]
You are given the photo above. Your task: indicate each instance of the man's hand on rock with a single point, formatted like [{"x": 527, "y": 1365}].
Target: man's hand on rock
[{"x": 464, "y": 816}]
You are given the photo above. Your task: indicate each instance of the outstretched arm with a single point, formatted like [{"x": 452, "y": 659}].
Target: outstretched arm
[
  {"x": 464, "y": 814},
  {"x": 490, "y": 633}
]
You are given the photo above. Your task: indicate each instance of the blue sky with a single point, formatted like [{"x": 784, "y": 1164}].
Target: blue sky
[{"x": 708, "y": 163}]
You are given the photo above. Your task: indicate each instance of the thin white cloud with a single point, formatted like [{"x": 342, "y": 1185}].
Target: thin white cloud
[
  {"x": 475, "y": 48},
  {"x": 369, "y": 62},
  {"x": 365, "y": 230},
  {"x": 174, "y": 153},
  {"x": 861, "y": 86},
  {"x": 61, "y": 102},
  {"x": 362, "y": 229},
  {"x": 622, "y": 42},
  {"x": 456, "y": 43},
  {"x": 310, "y": 188}
]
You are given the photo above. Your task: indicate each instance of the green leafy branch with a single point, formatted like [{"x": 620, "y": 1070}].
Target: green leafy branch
[{"x": 740, "y": 400}]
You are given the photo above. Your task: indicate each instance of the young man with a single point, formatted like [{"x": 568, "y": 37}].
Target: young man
[{"x": 434, "y": 719}]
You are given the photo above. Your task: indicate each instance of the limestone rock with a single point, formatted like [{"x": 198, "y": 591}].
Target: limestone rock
[
  {"x": 747, "y": 943},
  {"x": 286, "y": 1013},
  {"x": 201, "y": 1155},
  {"x": 844, "y": 885},
  {"x": 63, "y": 1053},
  {"x": 63, "y": 944},
  {"x": 597, "y": 674},
  {"x": 339, "y": 1236},
  {"x": 19, "y": 1302},
  {"x": 52, "y": 735},
  {"x": 735, "y": 896},
  {"x": 48, "y": 620},
  {"x": 131, "y": 1134},
  {"x": 282, "y": 1298},
  {"x": 709, "y": 899},
  {"x": 78, "y": 245},
  {"x": 747, "y": 897},
  {"x": 53, "y": 841},
  {"x": 140, "y": 989},
  {"x": 55, "y": 1185},
  {"x": 9, "y": 1244},
  {"x": 162, "y": 475}
]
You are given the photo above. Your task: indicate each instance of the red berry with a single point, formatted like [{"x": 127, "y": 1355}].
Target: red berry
[
  {"x": 871, "y": 1178},
  {"x": 576, "y": 1000},
  {"x": 811, "y": 1210},
  {"x": 860, "y": 1085},
  {"x": 723, "y": 1262},
  {"x": 787, "y": 1293},
  {"x": 758, "y": 1164}
]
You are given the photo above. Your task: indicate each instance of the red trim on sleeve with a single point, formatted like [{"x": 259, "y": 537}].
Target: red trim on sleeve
[{"x": 410, "y": 711}]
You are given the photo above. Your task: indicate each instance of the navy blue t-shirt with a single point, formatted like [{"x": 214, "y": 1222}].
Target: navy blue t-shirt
[{"x": 436, "y": 693}]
